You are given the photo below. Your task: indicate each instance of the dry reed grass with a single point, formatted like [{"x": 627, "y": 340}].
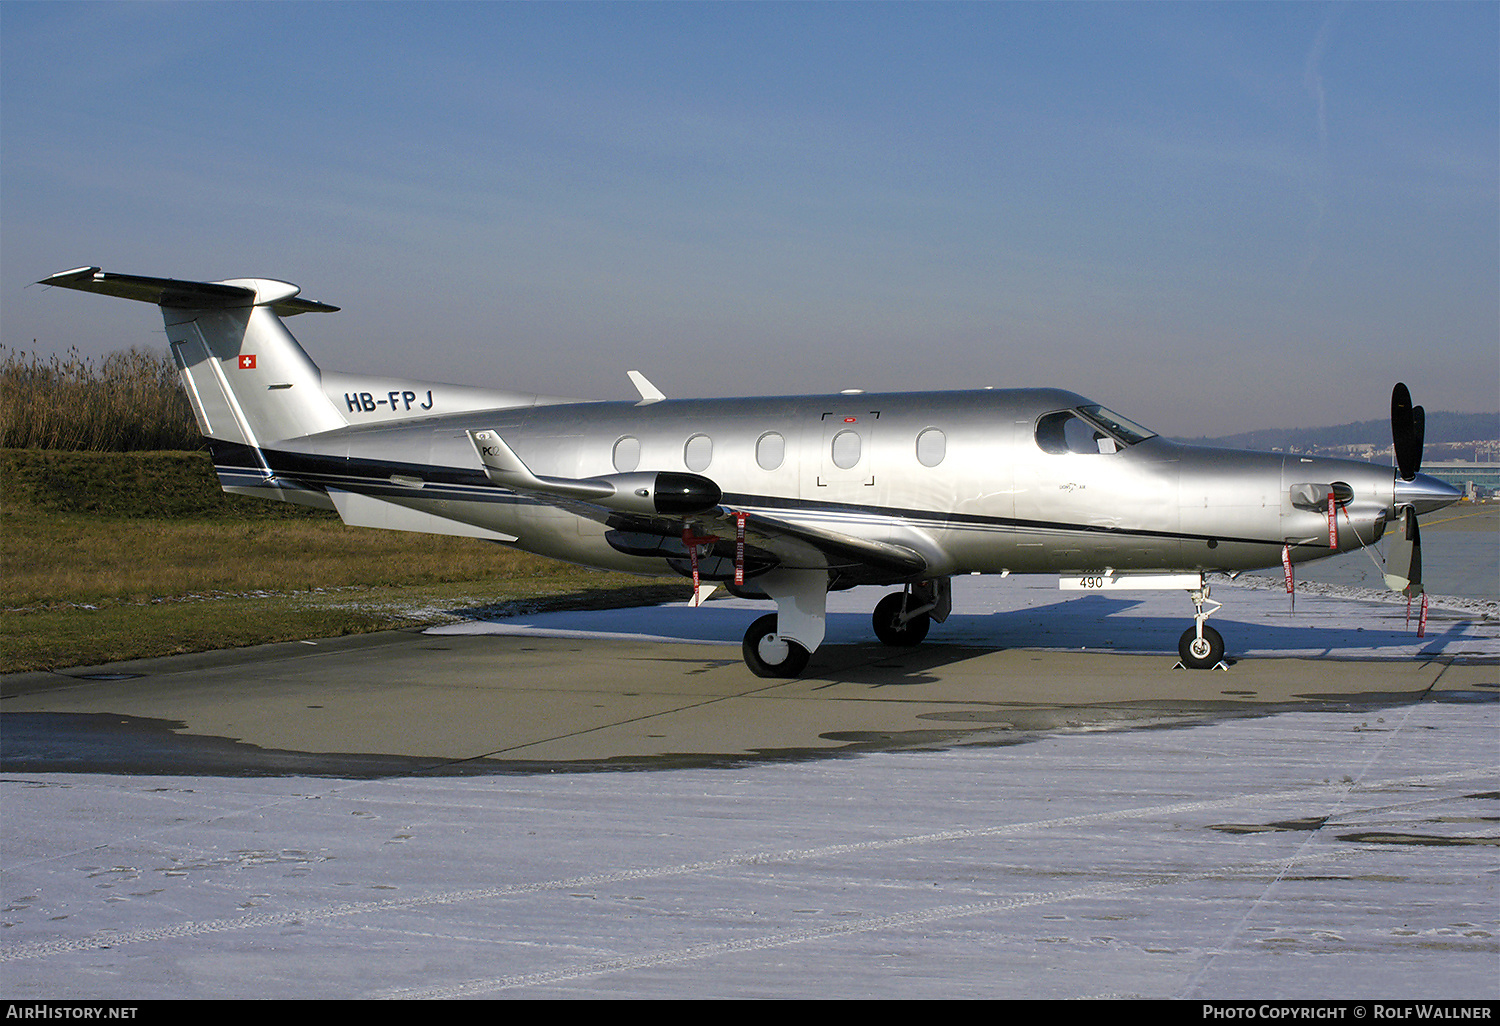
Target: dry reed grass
[{"x": 129, "y": 401}]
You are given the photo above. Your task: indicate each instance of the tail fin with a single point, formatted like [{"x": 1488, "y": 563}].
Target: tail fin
[{"x": 248, "y": 380}]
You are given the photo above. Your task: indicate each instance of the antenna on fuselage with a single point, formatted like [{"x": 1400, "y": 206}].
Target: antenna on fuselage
[{"x": 649, "y": 392}]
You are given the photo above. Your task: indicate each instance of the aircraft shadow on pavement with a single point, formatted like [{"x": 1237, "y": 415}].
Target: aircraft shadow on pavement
[
  {"x": 1088, "y": 623},
  {"x": 1098, "y": 621}
]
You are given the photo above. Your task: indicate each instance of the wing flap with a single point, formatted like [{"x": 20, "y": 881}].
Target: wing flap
[
  {"x": 801, "y": 547},
  {"x": 358, "y": 510}
]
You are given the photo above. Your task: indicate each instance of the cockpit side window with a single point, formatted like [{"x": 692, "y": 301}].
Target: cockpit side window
[
  {"x": 1064, "y": 432},
  {"x": 1049, "y": 433}
]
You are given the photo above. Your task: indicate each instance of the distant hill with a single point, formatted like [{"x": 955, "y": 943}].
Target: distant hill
[{"x": 1441, "y": 428}]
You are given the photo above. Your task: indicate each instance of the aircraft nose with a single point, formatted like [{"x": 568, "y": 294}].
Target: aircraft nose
[{"x": 1425, "y": 494}]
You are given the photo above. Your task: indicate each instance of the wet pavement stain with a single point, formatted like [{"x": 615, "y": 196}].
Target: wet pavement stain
[
  {"x": 1426, "y": 840},
  {"x": 1280, "y": 826}
]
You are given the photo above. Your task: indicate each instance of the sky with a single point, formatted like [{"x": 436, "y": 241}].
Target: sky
[{"x": 1210, "y": 217}]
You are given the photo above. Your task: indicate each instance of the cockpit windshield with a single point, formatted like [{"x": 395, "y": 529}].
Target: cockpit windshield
[
  {"x": 1126, "y": 431},
  {"x": 1087, "y": 429}
]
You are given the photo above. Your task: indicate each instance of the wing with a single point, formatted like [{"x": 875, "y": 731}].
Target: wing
[{"x": 655, "y": 515}]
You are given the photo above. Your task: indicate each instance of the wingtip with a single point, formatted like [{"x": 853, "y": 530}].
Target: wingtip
[{"x": 68, "y": 277}]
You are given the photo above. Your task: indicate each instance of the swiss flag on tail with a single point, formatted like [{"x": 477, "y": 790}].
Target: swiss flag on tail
[{"x": 247, "y": 361}]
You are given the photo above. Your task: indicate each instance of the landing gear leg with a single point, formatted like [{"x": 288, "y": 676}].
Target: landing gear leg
[
  {"x": 1200, "y": 646},
  {"x": 779, "y": 644}
]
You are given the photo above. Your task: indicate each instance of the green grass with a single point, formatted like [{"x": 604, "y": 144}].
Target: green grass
[
  {"x": 118, "y": 486},
  {"x": 110, "y": 556},
  {"x": 59, "y": 637}
]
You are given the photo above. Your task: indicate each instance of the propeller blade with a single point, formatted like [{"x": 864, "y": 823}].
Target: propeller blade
[
  {"x": 1400, "y": 402},
  {"x": 1408, "y": 424},
  {"x": 1403, "y": 560}
]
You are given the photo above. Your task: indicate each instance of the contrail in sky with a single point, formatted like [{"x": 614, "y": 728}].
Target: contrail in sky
[{"x": 1312, "y": 80}]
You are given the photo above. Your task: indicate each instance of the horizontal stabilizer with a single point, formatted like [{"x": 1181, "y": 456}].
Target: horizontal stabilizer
[{"x": 195, "y": 295}]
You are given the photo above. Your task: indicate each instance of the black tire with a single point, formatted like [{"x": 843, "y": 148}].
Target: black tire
[
  {"x": 761, "y": 663},
  {"x": 1200, "y": 655},
  {"x": 889, "y": 628}
]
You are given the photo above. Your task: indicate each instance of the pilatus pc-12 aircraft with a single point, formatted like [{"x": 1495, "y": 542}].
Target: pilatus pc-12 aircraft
[{"x": 782, "y": 498}]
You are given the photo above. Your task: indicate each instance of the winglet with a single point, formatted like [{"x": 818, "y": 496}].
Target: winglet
[
  {"x": 500, "y": 461},
  {"x": 505, "y": 468}
]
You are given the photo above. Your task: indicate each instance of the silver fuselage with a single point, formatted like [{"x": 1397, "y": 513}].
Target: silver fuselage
[{"x": 983, "y": 496}]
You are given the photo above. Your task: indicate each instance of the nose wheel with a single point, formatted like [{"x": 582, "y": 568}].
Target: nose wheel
[
  {"x": 1201, "y": 653},
  {"x": 1201, "y": 647}
]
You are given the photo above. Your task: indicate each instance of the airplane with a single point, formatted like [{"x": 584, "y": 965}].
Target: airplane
[{"x": 782, "y": 498}]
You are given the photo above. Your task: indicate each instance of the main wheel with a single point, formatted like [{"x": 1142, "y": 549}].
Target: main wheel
[
  {"x": 890, "y": 629},
  {"x": 770, "y": 655},
  {"x": 1200, "y": 653}
]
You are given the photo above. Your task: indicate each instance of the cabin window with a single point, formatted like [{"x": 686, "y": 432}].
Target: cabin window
[
  {"x": 770, "y": 450},
  {"x": 932, "y": 446},
  {"x": 846, "y": 446},
  {"x": 698, "y": 453},
  {"x": 627, "y": 454}
]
